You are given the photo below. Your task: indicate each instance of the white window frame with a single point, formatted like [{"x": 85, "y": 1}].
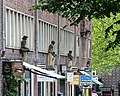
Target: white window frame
[{"x": 17, "y": 25}]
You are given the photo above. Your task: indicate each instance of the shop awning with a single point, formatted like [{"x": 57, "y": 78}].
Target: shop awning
[
  {"x": 43, "y": 72},
  {"x": 93, "y": 80},
  {"x": 97, "y": 82}
]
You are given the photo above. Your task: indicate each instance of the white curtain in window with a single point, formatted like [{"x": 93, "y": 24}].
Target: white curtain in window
[{"x": 17, "y": 25}]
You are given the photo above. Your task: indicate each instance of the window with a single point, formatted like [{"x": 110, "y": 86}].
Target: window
[
  {"x": 89, "y": 48},
  {"x": 41, "y": 88},
  {"x": 49, "y": 32},
  {"x": 17, "y": 25}
]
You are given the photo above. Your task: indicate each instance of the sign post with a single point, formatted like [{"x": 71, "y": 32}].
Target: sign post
[
  {"x": 85, "y": 82},
  {"x": 70, "y": 76}
]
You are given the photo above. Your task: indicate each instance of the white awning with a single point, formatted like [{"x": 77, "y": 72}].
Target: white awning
[
  {"x": 93, "y": 80},
  {"x": 43, "y": 71},
  {"x": 84, "y": 73},
  {"x": 97, "y": 82}
]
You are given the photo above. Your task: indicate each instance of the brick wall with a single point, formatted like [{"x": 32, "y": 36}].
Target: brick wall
[
  {"x": 0, "y": 20},
  {"x": 20, "y": 5},
  {"x": 0, "y": 51},
  {"x": 112, "y": 80},
  {"x": 1, "y": 89},
  {"x": 24, "y": 6}
]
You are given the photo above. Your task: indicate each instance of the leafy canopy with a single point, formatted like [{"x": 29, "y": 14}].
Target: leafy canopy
[
  {"x": 76, "y": 10},
  {"x": 102, "y": 60}
]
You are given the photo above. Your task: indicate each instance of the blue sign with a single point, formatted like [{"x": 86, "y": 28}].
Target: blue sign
[{"x": 85, "y": 78}]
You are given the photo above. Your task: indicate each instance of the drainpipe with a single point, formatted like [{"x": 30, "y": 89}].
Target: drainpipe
[
  {"x": 34, "y": 81},
  {"x": 58, "y": 40},
  {"x": 74, "y": 45},
  {"x": 3, "y": 33},
  {"x": 58, "y": 65},
  {"x": 3, "y": 44},
  {"x": 36, "y": 29}
]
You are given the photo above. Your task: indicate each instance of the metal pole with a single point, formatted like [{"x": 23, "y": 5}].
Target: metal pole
[
  {"x": 3, "y": 34},
  {"x": 3, "y": 45},
  {"x": 36, "y": 29},
  {"x": 35, "y": 85},
  {"x": 74, "y": 44},
  {"x": 58, "y": 40},
  {"x": 58, "y": 44},
  {"x": 84, "y": 91}
]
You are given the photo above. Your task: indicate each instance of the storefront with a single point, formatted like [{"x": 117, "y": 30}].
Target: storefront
[{"x": 47, "y": 80}]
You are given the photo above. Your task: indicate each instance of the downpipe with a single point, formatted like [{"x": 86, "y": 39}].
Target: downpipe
[{"x": 2, "y": 32}]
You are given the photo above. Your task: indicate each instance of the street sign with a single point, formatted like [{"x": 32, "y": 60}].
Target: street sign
[
  {"x": 85, "y": 78},
  {"x": 75, "y": 80},
  {"x": 70, "y": 76},
  {"x": 85, "y": 84},
  {"x": 85, "y": 81}
]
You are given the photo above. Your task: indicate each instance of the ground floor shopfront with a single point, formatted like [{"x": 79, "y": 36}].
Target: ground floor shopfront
[{"x": 47, "y": 80}]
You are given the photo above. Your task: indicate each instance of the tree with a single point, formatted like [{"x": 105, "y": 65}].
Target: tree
[
  {"x": 11, "y": 84},
  {"x": 77, "y": 10},
  {"x": 113, "y": 44},
  {"x": 102, "y": 60}
]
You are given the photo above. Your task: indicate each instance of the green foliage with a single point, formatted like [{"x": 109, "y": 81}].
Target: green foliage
[
  {"x": 76, "y": 10},
  {"x": 116, "y": 22},
  {"x": 11, "y": 85},
  {"x": 102, "y": 60}
]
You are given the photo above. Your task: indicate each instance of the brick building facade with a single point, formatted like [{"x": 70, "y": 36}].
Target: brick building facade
[
  {"x": 19, "y": 21},
  {"x": 113, "y": 80}
]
